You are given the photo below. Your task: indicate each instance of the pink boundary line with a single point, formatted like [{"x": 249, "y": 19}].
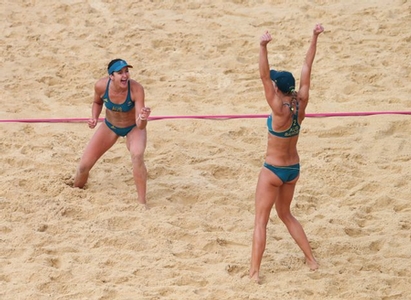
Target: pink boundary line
[{"x": 211, "y": 117}]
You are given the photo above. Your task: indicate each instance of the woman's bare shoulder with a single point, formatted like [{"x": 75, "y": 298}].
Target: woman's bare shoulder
[{"x": 101, "y": 84}]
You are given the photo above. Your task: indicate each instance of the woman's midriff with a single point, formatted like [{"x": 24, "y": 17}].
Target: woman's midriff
[
  {"x": 121, "y": 119},
  {"x": 282, "y": 151}
]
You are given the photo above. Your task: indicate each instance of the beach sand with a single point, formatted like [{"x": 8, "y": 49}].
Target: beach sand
[{"x": 201, "y": 58}]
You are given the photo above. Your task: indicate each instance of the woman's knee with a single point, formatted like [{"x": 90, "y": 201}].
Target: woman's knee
[
  {"x": 284, "y": 215},
  {"x": 137, "y": 157}
]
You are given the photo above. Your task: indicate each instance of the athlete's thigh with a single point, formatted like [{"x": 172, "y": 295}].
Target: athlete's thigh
[
  {"x": 102, "y": 140},
  {"x": 136, "y": 141},
  {"x": 285, "y": 196},
  {"x": 266, "y": 194}
]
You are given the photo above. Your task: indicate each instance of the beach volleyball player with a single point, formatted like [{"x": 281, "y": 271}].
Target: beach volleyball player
[
  {"x": 126, "y": 116},
  {"x": 281, "y": 169}
]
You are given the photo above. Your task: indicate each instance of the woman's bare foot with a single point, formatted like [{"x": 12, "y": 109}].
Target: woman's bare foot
[
  {"x": 255, "y": 278},
  {"x": 312, "y": 264},
  {"x": 145, "y": 206},
  {"x": 143, "y": 203}
]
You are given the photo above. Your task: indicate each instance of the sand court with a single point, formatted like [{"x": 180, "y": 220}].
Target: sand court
[{"x": 201, "y": 58}]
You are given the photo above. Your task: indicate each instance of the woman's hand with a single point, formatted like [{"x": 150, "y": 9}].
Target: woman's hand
[
  {"x": 92, "y": 123},
  {"x": 265, "y": 39},
  {"x": 144, "y": 113},
  {"x": 318, "y": 29}
]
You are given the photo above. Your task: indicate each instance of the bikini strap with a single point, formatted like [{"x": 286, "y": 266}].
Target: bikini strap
[
  {"x": 129, "y": 92},
  {"x": 105, "y": 96}
]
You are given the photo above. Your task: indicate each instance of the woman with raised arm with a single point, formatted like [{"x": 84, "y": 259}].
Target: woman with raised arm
[{"x": 279, "y": 175}]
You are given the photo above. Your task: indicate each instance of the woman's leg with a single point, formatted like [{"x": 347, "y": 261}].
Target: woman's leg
[
  {"x": 265, "y": 197},
  {"x": 102, "y": 140},
  {"x": 136, "y": 144},
  {"x": 282, "y": 205}
]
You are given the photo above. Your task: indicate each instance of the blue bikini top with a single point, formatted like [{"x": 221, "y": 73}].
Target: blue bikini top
[
  {"x": 126, "y": 106},
  {"x": 293, "y": 130}
]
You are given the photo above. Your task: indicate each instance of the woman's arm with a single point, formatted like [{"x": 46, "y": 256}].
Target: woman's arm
[
  {"x": 142, "y": 112},
  {"x": 97, "y": 105},
  {"x": 265, "y": 68},
  {"x": 305, "y": 79}
]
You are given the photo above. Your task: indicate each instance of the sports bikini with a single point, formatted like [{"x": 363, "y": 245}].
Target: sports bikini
[
  {"x": 126, "y": 106},
  {"x": 118, "y": 130},
  {"x": 285, "y": 173},
  {"x": 293, "y": 130}
]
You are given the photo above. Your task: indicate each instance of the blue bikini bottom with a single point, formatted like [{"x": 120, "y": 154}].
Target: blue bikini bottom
[
  {"x": 119, "y": 131},
  {"x": 286, "y": 174}
]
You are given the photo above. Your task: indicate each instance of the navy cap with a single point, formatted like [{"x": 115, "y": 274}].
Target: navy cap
[{"x": 284, "y": 80}]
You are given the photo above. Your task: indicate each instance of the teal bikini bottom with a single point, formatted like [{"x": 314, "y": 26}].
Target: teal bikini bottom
[
  {"x": 119, "y": 131},
  {"x": 286, "y": 174}
]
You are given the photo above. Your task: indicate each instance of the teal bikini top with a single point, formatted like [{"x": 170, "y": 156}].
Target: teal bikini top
[
  {"x": 293, "y": 130},
  {"x": 124, "y": 107}
]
